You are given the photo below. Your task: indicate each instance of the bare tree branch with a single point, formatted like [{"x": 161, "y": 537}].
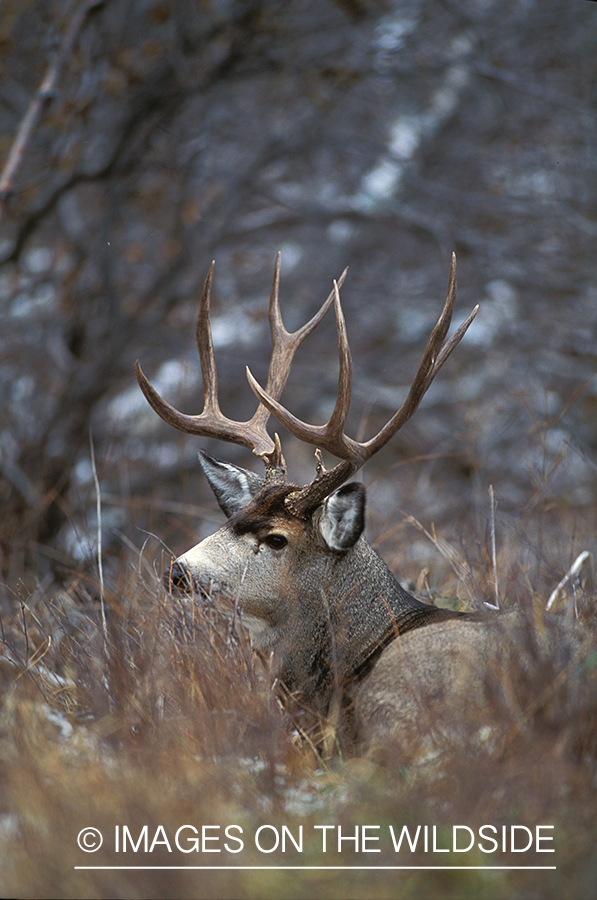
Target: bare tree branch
[{"x": 43, "y": 97}]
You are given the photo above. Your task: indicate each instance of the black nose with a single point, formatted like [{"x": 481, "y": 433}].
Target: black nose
[{"x": 177, "y": 578}]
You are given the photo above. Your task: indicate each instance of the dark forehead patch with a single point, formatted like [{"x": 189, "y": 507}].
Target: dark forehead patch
[{"x": 258, "y": 514}]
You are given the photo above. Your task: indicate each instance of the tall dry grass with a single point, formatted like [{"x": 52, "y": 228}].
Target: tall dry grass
[{"x": 122, "y": 706}]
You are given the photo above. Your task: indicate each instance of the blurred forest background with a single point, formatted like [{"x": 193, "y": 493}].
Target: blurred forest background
[{"x": 380, "y": 134}]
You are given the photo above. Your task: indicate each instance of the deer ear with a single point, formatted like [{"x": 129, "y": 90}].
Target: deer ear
[
  {"x": 234, "y": 487},
  {"x": 343, "y": 517}
]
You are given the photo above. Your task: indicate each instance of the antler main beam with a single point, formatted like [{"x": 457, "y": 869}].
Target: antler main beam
[
  {"x": 212, "y": 422},
  {"x": 331, "y": 436}
]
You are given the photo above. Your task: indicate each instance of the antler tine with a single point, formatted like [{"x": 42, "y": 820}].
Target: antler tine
[
  {"x": 331, "y": 435},
  {"x": 434, "y": 356},
  {"x": 205, "y": 347},
  {"x": 337, "y": 420},
  {"x": 211, "y": 422},
  {"x": 285, "y": 344}
]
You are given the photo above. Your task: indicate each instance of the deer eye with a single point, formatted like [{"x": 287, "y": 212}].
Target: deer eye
[{"x": 275, "y": 541}]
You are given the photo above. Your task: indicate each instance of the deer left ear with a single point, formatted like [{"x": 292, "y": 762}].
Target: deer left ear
[{"x": 343, "y": 518}]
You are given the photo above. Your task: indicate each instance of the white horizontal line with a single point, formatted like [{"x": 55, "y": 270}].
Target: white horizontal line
[{"x": 319, "y": 868}]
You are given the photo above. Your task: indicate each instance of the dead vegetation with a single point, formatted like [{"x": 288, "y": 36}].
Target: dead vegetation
[
  {"x": 174, "y": 133},
  {"x": 161, "y": 717}
]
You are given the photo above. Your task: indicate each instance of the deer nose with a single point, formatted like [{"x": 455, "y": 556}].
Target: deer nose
[{"x": 177, "y": 577}]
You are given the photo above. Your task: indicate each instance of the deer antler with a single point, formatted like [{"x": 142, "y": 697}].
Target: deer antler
[
  {"x": 331, "y": 436},
  {"x": 211, "y": 422}
]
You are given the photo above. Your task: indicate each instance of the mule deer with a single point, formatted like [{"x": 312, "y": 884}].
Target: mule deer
[{"x": 354, "y": 655}]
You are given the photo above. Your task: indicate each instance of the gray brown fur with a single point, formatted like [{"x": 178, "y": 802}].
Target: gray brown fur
[{"x": 355, "y": 656}]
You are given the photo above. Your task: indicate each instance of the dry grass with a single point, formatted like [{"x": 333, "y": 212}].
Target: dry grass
[{"x": 162, "y": 719}]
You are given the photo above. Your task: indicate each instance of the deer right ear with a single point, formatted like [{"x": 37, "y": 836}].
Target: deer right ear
[
  {"x": 343, "y": 518},
  {"x": 233, "y": 487}
]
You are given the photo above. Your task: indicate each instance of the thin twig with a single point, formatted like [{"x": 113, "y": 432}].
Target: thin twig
[
  {"x": 98, "y": 506},
  {"x": 25, "y": 632},
  {"x": 571, "y": 574},
  {"x": 42, "y": 98},
  {"x": 496, "y": 592}
]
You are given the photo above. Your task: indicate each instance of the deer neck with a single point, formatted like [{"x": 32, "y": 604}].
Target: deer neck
[
  {"x": 374, "y": 609},
  {"x": 361, "y": 609}
]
